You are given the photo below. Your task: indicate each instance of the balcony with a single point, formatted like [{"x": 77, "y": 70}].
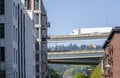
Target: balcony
[{"x": 48, "y": 24}]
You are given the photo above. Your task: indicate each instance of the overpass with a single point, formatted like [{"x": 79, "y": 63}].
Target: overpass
[
  {"x": 76, "y": 57},
  {"x": 79, "y": 37}
]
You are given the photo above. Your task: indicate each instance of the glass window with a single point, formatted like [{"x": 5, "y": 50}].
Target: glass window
[
  {"x": 37, "y": 32},
  {"x": 36, "y": 4},
  {"x": 13, "y": 9},
  {"x": 1, "y": 30},
  {"x": 37, "y": 76},
  {"x": 2, "y": 52},
  {"x": 14, "y": 32},
  {"x": 44, "y": 39},
  {"x": 16, "y": 12},
  {"x": 2, "y": 74},
  {"x": 37, "y": 68},
  {"x": 36, "y": 45},
  {"x": 37, "y": 57},
  {"x": 36, "y": 18},
  {"x": 14, "y": 55},
  {"x": 28, "y": 4},
  {"x": 1, "y": 7}
]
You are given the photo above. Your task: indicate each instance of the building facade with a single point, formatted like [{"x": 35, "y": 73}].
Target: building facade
[
  {"x": 23, "y": 39},
  {"x": 41, "y": 25},
  {"x": 112, "y": 55}
]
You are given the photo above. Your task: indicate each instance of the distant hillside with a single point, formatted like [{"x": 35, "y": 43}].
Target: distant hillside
[{"x": 72, "y": 47}]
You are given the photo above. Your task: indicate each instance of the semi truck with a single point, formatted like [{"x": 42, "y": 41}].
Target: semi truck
[{"x": 91, "y": 30}]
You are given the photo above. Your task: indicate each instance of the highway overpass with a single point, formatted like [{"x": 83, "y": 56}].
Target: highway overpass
[
  {"x": 85, "y": 57},
  {"x": 79, "y": 37},
  {"x": 76, "y": 57}
]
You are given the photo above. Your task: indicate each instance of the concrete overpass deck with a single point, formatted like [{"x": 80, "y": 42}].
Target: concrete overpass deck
[
  {"x": 76, "y": 57},
  {"x": 78, "y": 37}
]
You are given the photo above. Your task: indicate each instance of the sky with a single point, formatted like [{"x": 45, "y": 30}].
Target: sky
[{"x": 66, "y": 15}]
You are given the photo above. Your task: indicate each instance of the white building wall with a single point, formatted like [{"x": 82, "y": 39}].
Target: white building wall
[
  {"x": 10, "y": 42},
  {"x": 8, "y": 39},
  {"x": 30, "y": 46},
  {"x": 18, "y": 65}
]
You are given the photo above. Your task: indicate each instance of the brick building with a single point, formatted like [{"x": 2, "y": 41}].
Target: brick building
[{"x": 111, "y": 60}]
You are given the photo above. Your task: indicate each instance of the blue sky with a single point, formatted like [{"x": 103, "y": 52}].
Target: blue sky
[{"x": 66, "y": 15}]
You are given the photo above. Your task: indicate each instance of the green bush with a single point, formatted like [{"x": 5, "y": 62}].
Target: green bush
[
  {"x": 79, "y": 75},
  {"x": 96, "y": 73}
]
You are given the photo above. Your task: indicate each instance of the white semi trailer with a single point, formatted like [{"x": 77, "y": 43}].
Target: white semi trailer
[
  {"x": 91, "y": 30},
  {"x": 95, "y": 30}
]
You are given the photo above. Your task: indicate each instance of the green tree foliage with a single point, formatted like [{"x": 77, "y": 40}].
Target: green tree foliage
[
  {"x": 71, "y": 70},
  {"x": 96, "y": 73},
  {"x": 79, "y": 75},
  {"x": 71, "y": 47},
  {"x": 53, "y": 73},
  {"x": 68, "y": 72}
]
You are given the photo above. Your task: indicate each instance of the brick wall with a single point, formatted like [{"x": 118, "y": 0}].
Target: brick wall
[{"x": 112, "y": 57}]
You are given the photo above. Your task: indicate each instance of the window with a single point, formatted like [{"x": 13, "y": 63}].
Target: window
[
  {"x": 36, "y": 45},
  {"x": 14, "y": 55},
  {"x": 37, "y": 68},
  {"x": 1, "y": 30},
  {"x": 44, "y": 33},
  {"x": 2, "y": 52},
  {"x": 13, "y": 9},
  {"x": 14, "y": 32},
  {"x": 44, "y": 39},
  {"x": 37, "y": 57},
  {"x": 14, "y": 74},
  {"x": 37, "y": 32},
  {"x": 37, "y": 76},
  {"x": 36, "y": 18},
  {"x": 44, "y": 46},
  {"x": 28, "y": 4},
  {"x": 1, "y": 7},
  {"x": 36, "y": 4},
  {"x": 2, "y": 74},
  {"x": 16, "y": 12}
]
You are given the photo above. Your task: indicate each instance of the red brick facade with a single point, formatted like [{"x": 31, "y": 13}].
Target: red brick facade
[{"x": 112, "y": 55}]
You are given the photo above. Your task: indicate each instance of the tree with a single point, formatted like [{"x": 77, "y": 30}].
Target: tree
[
  {"x": 96, "y": 73},
  {"x": 68, "y": 72},
  {"x": 79, "y": 75},
  {"x": 52, "y": 73}
]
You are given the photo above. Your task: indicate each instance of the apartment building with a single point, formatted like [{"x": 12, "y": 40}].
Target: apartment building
[
  {"x": 23, "y": 39},
  {"x": 41, "y": 25},
  {"x": 112, "y": 55},
  {"x": 17, "y": 48}
]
